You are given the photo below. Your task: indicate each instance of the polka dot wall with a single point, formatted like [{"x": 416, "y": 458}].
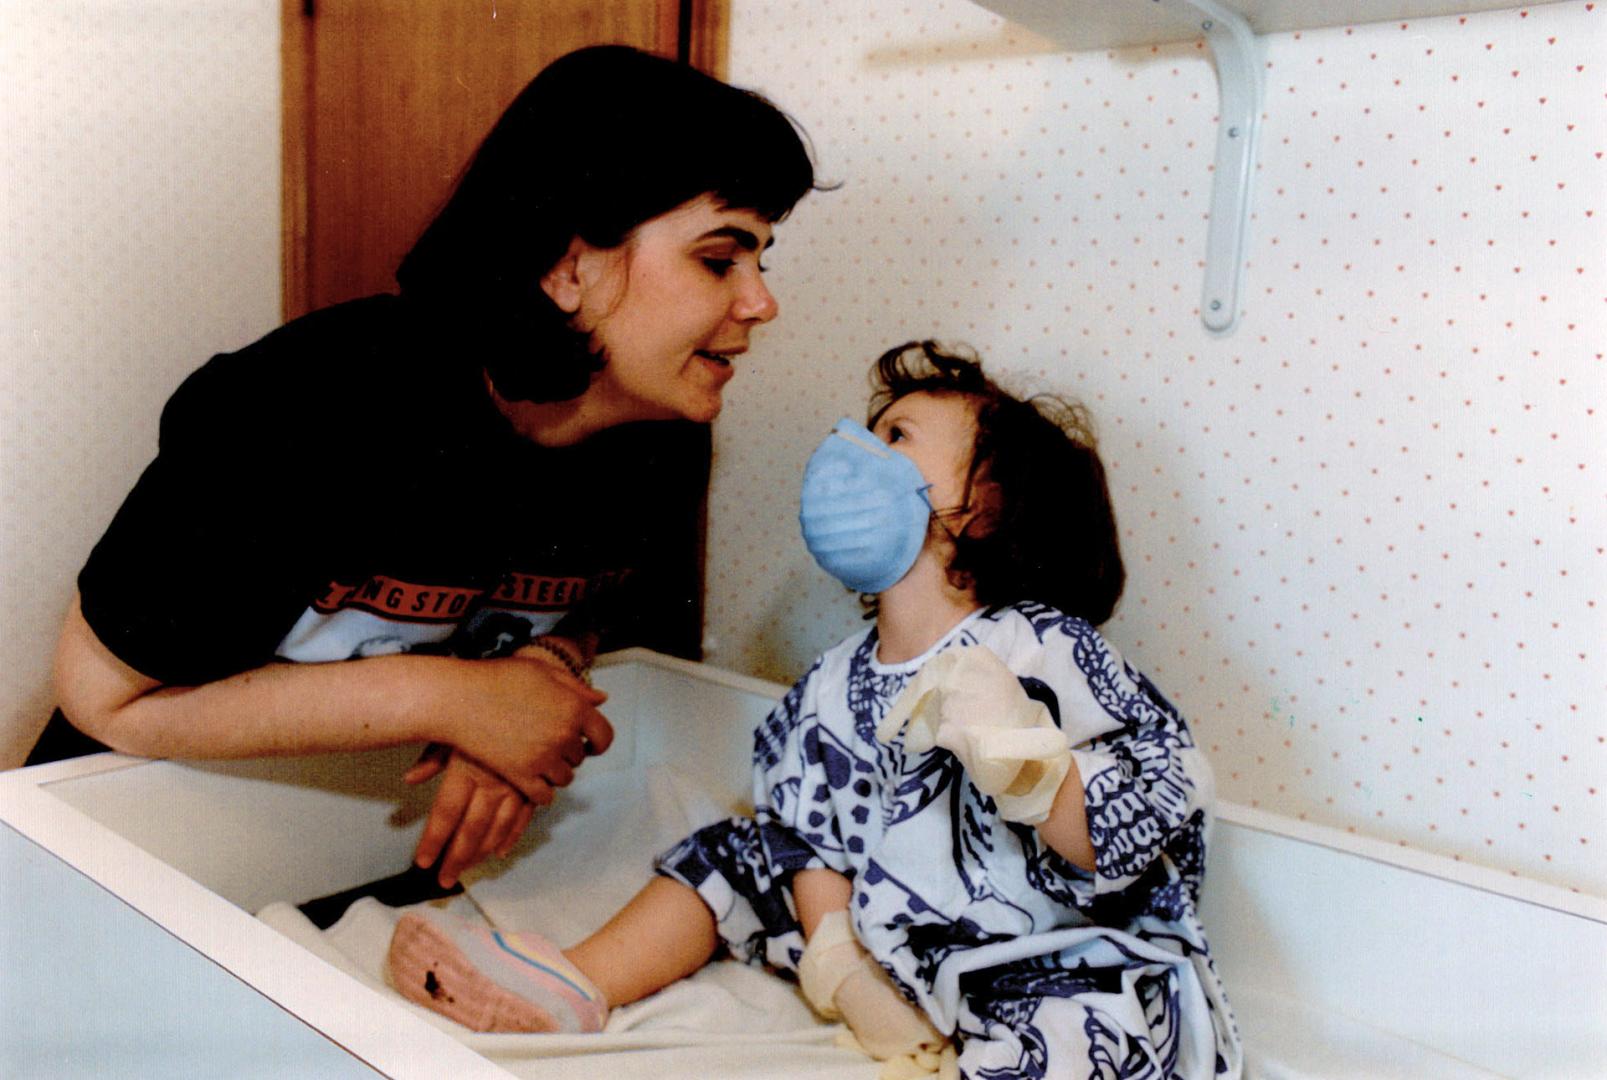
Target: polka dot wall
[
  {"x": 141, "y": 234},
  {"x": 1365, "y": 532}
]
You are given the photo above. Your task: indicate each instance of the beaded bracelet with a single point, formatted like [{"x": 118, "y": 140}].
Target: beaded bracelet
[{"x": 574, "y": 667}]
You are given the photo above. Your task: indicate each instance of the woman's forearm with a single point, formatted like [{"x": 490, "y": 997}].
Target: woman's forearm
[
  {"x": 523, "y": 718},
  {"x": 275, "y": 709}
]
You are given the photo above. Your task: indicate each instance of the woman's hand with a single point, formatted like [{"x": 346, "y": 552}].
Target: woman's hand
[
  {"x": 548, "y": 724},
  {"x": 476, "y": 813},
  {"x": 526, "y": 719}
]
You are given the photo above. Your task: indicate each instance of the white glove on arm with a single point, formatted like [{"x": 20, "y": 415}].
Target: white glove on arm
[
  {"x": 966, "y": 701},
  {"x": 842, "y": 981}
]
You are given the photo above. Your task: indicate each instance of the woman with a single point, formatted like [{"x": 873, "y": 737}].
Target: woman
[{"x": 451, "y": 489}]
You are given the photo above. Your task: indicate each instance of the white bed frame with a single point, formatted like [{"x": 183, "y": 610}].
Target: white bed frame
[{"x": 1319, "y": 934}]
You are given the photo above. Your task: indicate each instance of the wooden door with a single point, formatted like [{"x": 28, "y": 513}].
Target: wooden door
[{"x": 385, "y": 101}]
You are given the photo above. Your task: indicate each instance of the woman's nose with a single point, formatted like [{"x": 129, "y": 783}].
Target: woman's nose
[{"x": 755, "y": 303}]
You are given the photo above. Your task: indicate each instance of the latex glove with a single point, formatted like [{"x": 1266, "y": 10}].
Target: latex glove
[
  {"x": 842, "y": 981},
  {"x": 968, "y": 702},
  {"x": 922, "y": 1065}
]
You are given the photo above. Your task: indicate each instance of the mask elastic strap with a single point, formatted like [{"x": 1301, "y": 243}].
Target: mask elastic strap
[{"x": 939, "y": 515}]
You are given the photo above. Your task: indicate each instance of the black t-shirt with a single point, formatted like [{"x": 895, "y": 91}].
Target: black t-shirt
[{"x": 346, "y": 487}]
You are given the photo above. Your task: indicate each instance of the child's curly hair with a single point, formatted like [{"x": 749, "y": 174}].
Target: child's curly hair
[{"x": 1045, "y": 529}]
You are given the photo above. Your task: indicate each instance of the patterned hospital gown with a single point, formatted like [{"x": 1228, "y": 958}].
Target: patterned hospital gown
[{"x": 1037, "y": 968}]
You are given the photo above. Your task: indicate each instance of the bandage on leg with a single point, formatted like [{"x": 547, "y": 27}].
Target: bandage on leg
[{"x": 490, "y": 981}]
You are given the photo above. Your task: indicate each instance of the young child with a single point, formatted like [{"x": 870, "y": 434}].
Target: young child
[{"x": 975, "y": 822}]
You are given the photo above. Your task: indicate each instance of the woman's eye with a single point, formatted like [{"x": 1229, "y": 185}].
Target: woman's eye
[
  {"x": 894, "y": 434},
  {"x": 719, "y": 267}
]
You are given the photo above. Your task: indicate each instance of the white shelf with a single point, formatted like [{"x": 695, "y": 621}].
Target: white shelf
[
  {"x": 1085, "y": 24},
  {"x": 1235, "y": 31}
]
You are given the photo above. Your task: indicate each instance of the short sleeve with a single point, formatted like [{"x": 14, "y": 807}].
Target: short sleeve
[
  {"x": 1146, "y": 784},
  {"x": 194, "y": 578},
  {"x": 794, "y": 769}
]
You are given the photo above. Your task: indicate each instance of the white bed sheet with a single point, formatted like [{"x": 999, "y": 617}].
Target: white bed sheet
[
  {"x": 1286, "y": 1040},
  {"x": 581, "y": 862},
  {"x": 589, "y": 854}
]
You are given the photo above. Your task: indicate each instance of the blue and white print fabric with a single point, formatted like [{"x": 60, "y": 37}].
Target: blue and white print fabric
[{"x": 1038, "y": 968}]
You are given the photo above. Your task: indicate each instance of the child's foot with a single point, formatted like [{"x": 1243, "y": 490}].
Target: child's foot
[{"x": 491, "y": 981}]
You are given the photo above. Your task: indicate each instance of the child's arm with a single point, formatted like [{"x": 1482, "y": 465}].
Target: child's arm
[
  {"x": 1143, "y": 788},
  {"x": 1109, "y": 805},
  {"x": 1066, "y": 827},
  {"x": 817, "y": 893},
  {"x": 842, "y": 980}
]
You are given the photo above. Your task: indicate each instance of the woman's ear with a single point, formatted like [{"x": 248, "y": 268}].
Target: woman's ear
[{"x": 562, "y": 282}]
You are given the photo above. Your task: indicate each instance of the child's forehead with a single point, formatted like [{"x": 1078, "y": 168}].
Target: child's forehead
[{"x": 931, "y": 405}]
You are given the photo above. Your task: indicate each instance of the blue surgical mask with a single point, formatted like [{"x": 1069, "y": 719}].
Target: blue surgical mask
[{"x": 864, "y": 509}]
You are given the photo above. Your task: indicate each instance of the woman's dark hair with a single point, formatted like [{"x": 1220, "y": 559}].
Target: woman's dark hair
[
  {"x": 602, "y": 140},
  {"x": 1044, "y": 528}
]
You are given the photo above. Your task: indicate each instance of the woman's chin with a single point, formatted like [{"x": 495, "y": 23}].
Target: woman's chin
[{"x": 704, "y": 413}]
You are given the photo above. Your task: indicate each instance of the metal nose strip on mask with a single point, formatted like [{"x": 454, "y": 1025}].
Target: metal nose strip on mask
[
  {"x": 874, "y": 446},
  {"x": 881, "y": 450}
]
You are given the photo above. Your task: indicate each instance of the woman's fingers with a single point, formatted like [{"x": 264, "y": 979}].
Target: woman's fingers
[
  {"x": 597, "y": 731},
  {"x": 559, "y": 774},
  {"x": 451, "y": 801},
  {"x": 521, "y": 822},
  {"x": 429, "y": 764},
  {"x": 478, "y": 814},
  {"x": 501, "y": 836},
  {"x": 530, "y": 721},
  {"x": 468, "y": 842}
]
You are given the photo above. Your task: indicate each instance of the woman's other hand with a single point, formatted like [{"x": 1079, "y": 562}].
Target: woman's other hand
[
  {"x": 475, "y": 814},
  {"x": 527, "y": 719}
]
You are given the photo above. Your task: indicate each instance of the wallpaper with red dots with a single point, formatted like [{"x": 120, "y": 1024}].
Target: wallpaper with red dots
[
  {"x": 1365, "y": 532},
  {"x": 139, "y": 234}
]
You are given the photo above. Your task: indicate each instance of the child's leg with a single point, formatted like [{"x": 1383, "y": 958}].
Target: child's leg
[
  {"x": 488, "y": 980},
  {"x": 663, "y": 935},
  {"x": 493, "y": 981}
]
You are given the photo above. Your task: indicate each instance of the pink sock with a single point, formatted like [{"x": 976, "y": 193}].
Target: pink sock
[{"x": 490, "y": 981}]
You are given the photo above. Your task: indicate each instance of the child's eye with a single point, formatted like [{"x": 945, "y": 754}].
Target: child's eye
[
  {"x": 719, "y": 267},
  {"x": 894, "y": 434}
]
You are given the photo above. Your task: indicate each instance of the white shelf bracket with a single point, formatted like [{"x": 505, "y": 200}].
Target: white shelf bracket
[{"x": 1237, "y": 51}]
